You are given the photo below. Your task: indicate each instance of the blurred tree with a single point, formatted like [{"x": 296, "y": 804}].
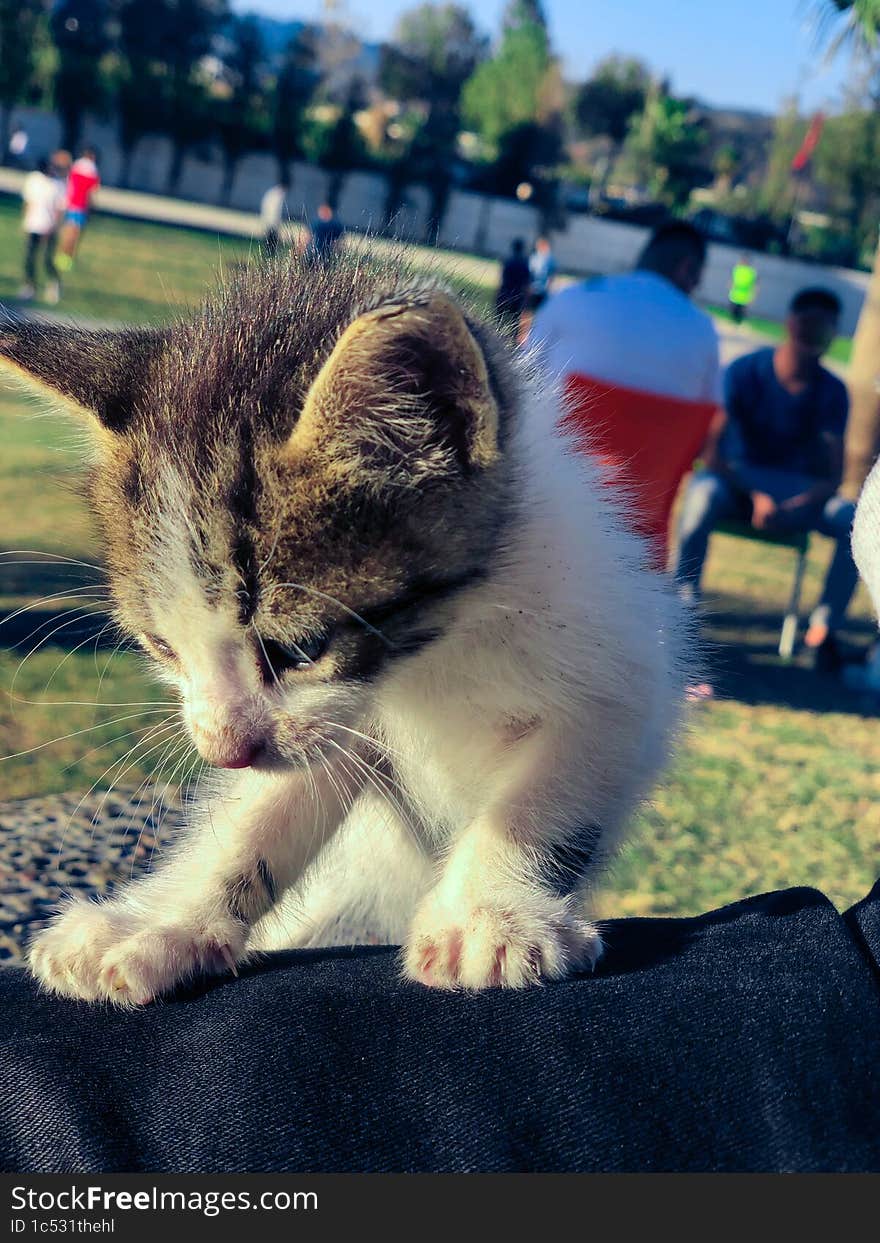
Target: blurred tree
[
  {"x": 848, "y": 21},
  {"x": 139, "y": 72},
  {"x": 339, "y": 49},
  {"x": 241, "y": 115},
  {"x": 82, "y": 37},
  {"x": 189, "y": 28},
  {"x": 294, "y": 88},
  {"x": 662, "y": 149},
  {"x": 847, "y": 167},
  {"x": 605, "y": 103},
  {"x": 519, "y": 13},
  {"x": 861, "y": 25},
  {"x": 528, "y": 152},
  {"x": 435, "y": 49},
  {"x": 341, "y": 148},
  {"x": 725, "y": 165},
  {"x": 506, "y": 91},
  {"x": 778, "y": 190},
  {"x": 20, "y": 24}
]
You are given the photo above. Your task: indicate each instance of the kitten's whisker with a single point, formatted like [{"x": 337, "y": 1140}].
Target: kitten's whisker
[
  {"x": 271, "y": 552},
  {"x": 88, "y": 703},
  {"x": 151, "y": 785},
  {"x": 129, "y": 761},
  {"x": 73, "y": 593},
  {"x": 383, "y": 787},
  {"x": 269, "y": 664},
  {"x": 70, "y": 618},
  {"x": 88, "y": 639},
  {"x": 150, "y": 734},
  {"x": 379, "y": 743},
  {"x": 129, "y": 733},
  {"x": 313, "y": 591},
  {"x": 39, "y": 557},
  {"x": 108, "y": 662},
  {"x": 75, "y": 734}
]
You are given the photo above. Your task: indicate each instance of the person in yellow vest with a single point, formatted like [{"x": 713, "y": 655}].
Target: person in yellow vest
[{"x": 743, "y": 288}]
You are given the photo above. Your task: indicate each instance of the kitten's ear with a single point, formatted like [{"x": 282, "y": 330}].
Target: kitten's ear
[
  {"x": 405, "y": 393},
  {"x": 97, "y": 373}
]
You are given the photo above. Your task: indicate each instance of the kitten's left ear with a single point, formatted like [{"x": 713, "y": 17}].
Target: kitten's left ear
[
  {"x": 97, "y": 373},
  {"x": 405, "y": 392}
]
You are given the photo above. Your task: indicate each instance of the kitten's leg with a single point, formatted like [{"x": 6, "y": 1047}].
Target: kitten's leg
[
  {"x": 503, "y": 912},
  {"x": 193, "y": 915},
  {"x": 362, "y": 889}
]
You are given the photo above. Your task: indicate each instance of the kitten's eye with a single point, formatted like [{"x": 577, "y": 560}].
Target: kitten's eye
[
  {"x": 159, "y": 647},
  {"x": 282, "y": 657}
]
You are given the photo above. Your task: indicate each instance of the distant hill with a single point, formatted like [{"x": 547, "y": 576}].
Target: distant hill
[{"x": 276, "y": 34}]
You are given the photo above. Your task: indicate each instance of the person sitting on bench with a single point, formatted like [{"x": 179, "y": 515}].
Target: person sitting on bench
[{"x": 776, "y": 460}]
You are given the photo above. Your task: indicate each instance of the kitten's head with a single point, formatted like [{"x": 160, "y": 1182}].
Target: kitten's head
[{"x": 296, "y": 489}]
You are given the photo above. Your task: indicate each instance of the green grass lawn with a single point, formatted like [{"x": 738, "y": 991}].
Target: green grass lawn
[
  {"x": 139, "y": 273},
  {"x": 126, "y": 270},
  {"x": 776, "y": 784}
]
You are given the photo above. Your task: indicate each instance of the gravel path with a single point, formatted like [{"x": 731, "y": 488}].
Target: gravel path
[{"x": 63, "y": 844}]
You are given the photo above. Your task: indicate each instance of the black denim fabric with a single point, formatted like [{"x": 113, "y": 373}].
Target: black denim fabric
[{"x": 745, "y": 1039}]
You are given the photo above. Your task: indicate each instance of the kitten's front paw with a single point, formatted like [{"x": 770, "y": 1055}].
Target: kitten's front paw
[
  {"x": 66, "y": 957},
  {"x": 490, "y": 946},
  {"x": 98, "y": 951},
  {"x": 152, "y": 962}
]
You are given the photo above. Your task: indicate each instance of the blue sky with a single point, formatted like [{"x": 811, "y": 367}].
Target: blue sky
[{"x": 747, "y": 53}]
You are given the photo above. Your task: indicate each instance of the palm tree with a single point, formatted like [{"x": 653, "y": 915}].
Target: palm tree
[{"x": 860, "y": 24}]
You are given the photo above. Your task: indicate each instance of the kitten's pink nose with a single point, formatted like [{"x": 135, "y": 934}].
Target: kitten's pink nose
[
  {"x": 242, "y": 758},
  {"x": 226, "y": 750}
]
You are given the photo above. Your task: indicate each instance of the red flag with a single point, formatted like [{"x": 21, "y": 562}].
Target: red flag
[{"x": 808, "y": 146}]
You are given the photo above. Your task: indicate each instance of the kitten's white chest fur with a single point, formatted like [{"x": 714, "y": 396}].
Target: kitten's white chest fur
[{"x": 554, "y": 699}]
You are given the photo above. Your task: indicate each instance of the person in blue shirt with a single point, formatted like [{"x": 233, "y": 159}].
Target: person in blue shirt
[
  {"x": 776, "y": 459},
  {"x": 542, "y": 267}
]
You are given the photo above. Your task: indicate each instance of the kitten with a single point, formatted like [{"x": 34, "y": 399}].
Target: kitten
[{"x": 396, "y": 607}]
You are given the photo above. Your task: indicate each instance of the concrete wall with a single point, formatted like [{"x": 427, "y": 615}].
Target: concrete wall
[{"x": 472, "y": 222}]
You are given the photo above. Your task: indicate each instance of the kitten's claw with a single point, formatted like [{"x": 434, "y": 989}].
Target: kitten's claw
[
  {"x": 95, "y": 951},
  {"x": 490, "y": 947},
  {"x": 226, "y": 954}
]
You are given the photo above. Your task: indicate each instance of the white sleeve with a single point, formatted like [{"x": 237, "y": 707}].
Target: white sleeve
[
  {"x": 712, "y": 387},
  {"x": 544, "y": 332}
]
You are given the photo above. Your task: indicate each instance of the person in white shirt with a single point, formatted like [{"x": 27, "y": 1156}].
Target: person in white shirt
[
  {"x": 638, "y": 329},
  {"x": 273, "y": 214},
  {"x": 44, "y": 197}
]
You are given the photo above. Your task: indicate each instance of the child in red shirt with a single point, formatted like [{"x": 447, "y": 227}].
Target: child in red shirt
[{"x": 82, "y": 182}]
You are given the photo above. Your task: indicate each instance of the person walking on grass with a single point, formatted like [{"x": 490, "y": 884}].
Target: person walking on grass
[
  {"x": 776, "y": 460},
  {"x": 743, "y": 288},
  {"x": 274, "y": 215},
  {"x": 513, "y": 291},
  {"x": 326, "y": 233},
  {"x": 83, "y": 180},
  {"x": 43, "y": 195}
]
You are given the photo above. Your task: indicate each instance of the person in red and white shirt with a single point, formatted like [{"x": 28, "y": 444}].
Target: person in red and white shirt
[
  {"x": 638, "y": 329},
  {"x": 82, "y": 182}
]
